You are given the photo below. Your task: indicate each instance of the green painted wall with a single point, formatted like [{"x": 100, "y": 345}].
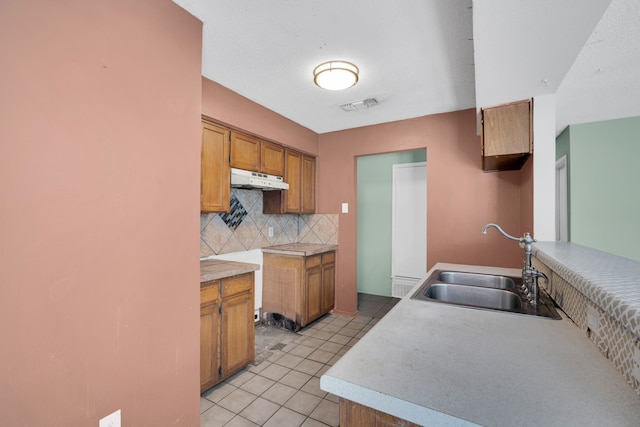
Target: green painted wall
[
  {"x": 604, "y": 179},
  {"x": 374, "y": 176}
]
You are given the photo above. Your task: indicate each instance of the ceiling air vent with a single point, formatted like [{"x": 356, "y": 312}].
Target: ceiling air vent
[{"x": 360, "y": 105}]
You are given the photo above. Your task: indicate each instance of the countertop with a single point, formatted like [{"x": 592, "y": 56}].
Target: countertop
[
  {"x": 439, "y": 364},
  {"x": 300, "y": 249},
  {"x": 213, "y": 269}
]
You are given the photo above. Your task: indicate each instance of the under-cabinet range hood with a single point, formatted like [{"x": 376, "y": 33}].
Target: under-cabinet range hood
[{"x": 241, "y": 178}]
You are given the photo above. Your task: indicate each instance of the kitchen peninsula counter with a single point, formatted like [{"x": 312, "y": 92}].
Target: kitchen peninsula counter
[
  {"x": 214, "y": 269},
  {"x": 439, "y": 364},
  {"x": 300, "y": 249}
]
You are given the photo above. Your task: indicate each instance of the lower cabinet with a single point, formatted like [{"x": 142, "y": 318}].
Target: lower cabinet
[
  {"x": 226, "y": 328},
  {"x": 209, "y": 335},
  {"x": 299, "y": 288},
  {"x": 355, "y": 415}
]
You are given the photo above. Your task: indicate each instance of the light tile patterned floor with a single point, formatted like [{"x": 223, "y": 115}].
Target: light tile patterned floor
[{"x": 282, "y": 388}]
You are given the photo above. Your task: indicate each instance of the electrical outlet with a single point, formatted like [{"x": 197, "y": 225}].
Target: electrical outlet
[
  {"x": 111, "y": 420},
  {"x": 270, "y": 231}
]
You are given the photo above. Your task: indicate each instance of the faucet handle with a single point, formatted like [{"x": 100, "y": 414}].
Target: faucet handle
[{"x": 527, "y": 238}]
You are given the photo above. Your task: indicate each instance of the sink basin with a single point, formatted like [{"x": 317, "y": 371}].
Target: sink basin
[
  {"x": 474, "y": 295},
  {"x": 484, "y": 292},
  {"x": 476, "y": 279}
]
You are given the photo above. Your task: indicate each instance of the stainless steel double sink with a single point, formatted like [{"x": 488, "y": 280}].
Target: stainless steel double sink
[{"x": 483, "y": 291}]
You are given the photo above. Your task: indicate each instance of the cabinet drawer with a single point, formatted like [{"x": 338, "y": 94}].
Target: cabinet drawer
[
  {"x": 328, "y": 257},
  {"x": 209, "y": 293},
  {"x": 237, "y": 284},
  {"x": 313, "y": 260}
]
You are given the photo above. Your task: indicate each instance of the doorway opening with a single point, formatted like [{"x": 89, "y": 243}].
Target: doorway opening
[{"x": 375, "y": 219}]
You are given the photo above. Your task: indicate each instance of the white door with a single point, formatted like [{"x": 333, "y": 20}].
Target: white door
[
  {"x": 409, "y": 220},
  {"x": 562, "y": 223}
]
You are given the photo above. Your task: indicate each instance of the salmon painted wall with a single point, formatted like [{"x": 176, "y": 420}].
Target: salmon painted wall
[
  {"x": 228, "y": 107},
  {"x": 461, "y": 198},
  {"x": 99, "y": 193}
]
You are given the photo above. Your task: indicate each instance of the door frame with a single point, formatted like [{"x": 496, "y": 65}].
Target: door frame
[{"x": 562, "y": 200}]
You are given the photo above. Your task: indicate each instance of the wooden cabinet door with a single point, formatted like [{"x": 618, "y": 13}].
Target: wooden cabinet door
[
  {"x": 293, "y": 177},
  {"x": 300, "y": 174},
  {"x": 209, "y": 336},
  {"x": 355, "y": 415},
  {"x": 209, "y": 349},
  {"x": 507, "y": 129},
  {"x": 245, "y": 152},
  {"x": 237, "y": 332},
  {"x": 314, "y": 294},
  {"x": 308, "y": 188},
  {"x": 215, "y": 174},
  {"x": 328, "y": 281},
  {"x": 271, "y": 158}
]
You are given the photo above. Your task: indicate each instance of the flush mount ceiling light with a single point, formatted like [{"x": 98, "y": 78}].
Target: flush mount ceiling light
[{"x": 335, "y": 75}]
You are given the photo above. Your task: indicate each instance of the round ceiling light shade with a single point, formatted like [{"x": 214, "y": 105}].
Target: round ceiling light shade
[{"x": 335, "y": 75}]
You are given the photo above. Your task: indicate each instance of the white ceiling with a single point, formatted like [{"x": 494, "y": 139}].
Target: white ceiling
[{"x": 420, "y": 57}]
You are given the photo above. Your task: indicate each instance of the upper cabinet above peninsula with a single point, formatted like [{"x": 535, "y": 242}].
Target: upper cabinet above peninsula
[{"x": 507, "y": 136}]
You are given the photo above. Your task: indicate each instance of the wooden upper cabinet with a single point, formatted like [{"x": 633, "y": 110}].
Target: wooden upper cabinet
[
  {"x": 245, "y": 152},
  {"x": 293, "y": 177},
  {"x": 271, "y": 158},
  {"x": 300, "y": 174},
  {"x": 507, "y": 135},
  {"x": 215, "y": 173},
  {"x": 250, "y": 153},
  {"x": 308, "y": 184}
]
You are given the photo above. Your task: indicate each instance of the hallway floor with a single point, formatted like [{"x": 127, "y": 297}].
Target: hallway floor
[{"x": 282, "y": 386}]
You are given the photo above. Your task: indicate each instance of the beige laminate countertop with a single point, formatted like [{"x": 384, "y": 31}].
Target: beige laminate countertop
[
  {"x": 439, "y": 364},
  {"x": 300, "y": 249},
  {"x": 213, "y": 269}
]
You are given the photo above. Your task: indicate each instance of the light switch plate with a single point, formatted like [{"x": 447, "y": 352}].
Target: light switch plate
[{"x": 345, "y": 208}]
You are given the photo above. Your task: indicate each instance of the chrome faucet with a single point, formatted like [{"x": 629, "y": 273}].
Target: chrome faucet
[{"x": 529, "y": 274}]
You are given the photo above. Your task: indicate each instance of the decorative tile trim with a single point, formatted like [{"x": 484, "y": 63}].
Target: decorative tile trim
[
  {"x": 236, "y": 214},
  {"x": 614, "y": 340},
  {"x": 609, "y": 281}
]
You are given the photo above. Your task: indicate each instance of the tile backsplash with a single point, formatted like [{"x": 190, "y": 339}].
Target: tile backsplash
[{"x": 246, "y": 227}]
